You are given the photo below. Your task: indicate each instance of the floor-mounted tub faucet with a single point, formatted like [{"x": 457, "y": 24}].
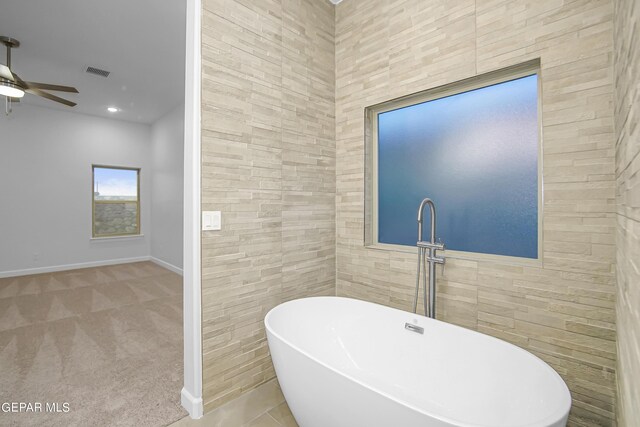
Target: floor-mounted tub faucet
[{"x": 423, "y": 258}]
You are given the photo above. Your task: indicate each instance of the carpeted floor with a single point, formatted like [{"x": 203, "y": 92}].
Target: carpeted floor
[{"x": 105, "y": 340}]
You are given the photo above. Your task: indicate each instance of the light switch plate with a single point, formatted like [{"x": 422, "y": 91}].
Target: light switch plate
[{"x": 211, "y": 220}]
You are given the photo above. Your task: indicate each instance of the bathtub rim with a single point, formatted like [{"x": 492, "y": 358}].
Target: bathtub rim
[{"x": 551, "y": 419}]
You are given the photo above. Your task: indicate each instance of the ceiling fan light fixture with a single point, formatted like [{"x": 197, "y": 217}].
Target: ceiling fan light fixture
[
  {"x": 10, "y": 89},
  {"x": 12, "y": 86}
]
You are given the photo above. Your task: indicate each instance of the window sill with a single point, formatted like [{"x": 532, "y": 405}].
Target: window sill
[
  {"x": 105, "y": 238},
  {"x": 467, "y": 256}
]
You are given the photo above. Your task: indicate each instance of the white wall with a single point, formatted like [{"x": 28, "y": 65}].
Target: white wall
[
  {"x": 45, "y": 186},
  {"x": 167, "y": 139}
]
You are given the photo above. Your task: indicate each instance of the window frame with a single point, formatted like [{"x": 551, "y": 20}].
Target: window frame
[
  {"x": 138, "y": 232},
  {"x": 371, "y": 157}
]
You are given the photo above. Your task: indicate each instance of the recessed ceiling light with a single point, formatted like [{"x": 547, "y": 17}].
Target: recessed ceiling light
[{"x": 112, "y": 109}]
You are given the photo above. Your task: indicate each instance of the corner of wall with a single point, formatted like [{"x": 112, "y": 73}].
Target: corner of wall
[{"x": 627, "y": 115}]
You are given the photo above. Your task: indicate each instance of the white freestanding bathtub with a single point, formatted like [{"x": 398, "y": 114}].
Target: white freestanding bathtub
[{"x": 348, "y": 363}]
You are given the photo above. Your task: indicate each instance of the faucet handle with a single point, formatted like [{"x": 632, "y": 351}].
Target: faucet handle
[
  {"x": 429, "y": 245},
  {"x": 436, "y": 259}
]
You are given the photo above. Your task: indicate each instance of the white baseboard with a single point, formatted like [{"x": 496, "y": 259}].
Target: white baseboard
[
  {"x": 191, "y": 404},
  {"x": 54, "y": 268},
  {"x": 166, "y": 265}
]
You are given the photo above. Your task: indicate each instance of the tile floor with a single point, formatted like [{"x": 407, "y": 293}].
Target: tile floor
[{"x": 262, "y": 407}]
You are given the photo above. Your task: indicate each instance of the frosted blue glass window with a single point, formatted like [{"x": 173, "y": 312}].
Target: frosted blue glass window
[{"x": 475, "y": 154}]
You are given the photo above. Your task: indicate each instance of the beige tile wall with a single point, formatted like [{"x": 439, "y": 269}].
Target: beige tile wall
[
  {"x": 562, "y": 310},
  {"x": 268, "y": 153},
  {"x": 627, "y": 107},
  {"x": 270, "y": 141}
]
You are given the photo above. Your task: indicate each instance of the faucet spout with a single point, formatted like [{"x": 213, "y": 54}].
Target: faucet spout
[
  {"x": 425, "y": 258},
  {"x": 432, "y": 209}
]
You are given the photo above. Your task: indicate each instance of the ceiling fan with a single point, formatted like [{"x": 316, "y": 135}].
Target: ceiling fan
[{"x": 13, "y": 87}]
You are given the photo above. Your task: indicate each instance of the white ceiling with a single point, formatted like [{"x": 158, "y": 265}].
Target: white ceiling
[{"x": 140, "y": 41}]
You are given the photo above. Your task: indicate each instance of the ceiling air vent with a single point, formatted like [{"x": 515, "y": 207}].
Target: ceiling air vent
[{"x": 98, "y": 71}]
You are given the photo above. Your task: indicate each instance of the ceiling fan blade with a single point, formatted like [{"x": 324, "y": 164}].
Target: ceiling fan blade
[
  {"x": 19, "y": 80},
  {"x": 43, "y": 94},
  {"x": 46, "y": 86},
  {"x": 6, "y": 73}
]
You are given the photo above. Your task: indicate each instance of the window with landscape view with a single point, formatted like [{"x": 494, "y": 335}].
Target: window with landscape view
[{"x": 116, "y": 201}]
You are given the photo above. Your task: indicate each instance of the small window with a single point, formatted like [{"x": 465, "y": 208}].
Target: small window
[
  {"x": 473, "y": 149},
  {"x": 116, "y": 201}
]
